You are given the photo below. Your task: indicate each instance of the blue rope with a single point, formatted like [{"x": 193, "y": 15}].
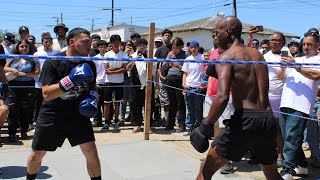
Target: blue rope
[
  {"x": 82, "y": 58},
  {"x": 190, "y": 91}
]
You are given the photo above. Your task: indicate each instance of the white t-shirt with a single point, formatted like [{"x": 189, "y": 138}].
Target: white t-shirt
[
  {"x": 299, "y": 92},
  {"x": 275, "y": 85},
  {"x": 38, "y": 84},
  {"x": 193, "y": 70},
  {"x": 101, "y": 75},
  {"x": 7, "y": 49},
  {"x": 115, "y": 78}
]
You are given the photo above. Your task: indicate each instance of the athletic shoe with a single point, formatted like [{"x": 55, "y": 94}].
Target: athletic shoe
[
  {"x": 189, "y": 130},
  {"x": 24, "y": 136},
  {"x": 105, "y": 127},
  {"x": 121, "y": 123},
  {"x": 286, "y": 175},
  {"x": 116, "y": 127},
  {"x": 13, "y": 138},
  {"x": 301, "y": 171},
  {"x": 227, "y": 168},
  {"x": 279, "y": 161}
]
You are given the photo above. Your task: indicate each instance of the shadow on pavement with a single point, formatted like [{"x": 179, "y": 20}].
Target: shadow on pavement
[{"x": 12, "y": 172}]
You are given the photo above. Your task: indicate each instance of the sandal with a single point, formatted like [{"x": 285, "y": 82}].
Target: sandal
[{"x": 136, "y": 129}]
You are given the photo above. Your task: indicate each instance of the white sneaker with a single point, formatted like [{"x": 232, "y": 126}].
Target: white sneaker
[
  {"x": 301, "y": 171},
  {"x": 286, "y": 175}
]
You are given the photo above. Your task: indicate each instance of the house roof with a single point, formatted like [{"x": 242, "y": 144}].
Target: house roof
[{"x": 210, "y": 22}]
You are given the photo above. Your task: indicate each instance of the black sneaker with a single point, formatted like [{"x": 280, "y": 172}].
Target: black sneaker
[
  {"x": 31, "y": 127},
  {"x": 169, "y": 128},
  {"x": 12, "y": 138},
  {"x": 121, "y": 123},
  {"x": 105, "y": 127},
  {"x": 189, "y": 130},
  {"x": 227, "y": 168},
  {"x": 24, "y": 136}
]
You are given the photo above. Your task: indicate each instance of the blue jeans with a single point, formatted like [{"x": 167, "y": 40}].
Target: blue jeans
[
  {"x": 292, "y": 132},
  {"x": 194, "y": 103},
  {"x": 313, "y": 132}
]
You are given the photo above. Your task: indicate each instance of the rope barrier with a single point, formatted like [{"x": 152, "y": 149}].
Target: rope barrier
[
  {"x": 190, "y": 91},
  {"x": 82, "y": 58}
]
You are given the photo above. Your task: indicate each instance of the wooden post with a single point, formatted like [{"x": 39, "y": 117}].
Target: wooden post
[{"x": 148, "y": 94}]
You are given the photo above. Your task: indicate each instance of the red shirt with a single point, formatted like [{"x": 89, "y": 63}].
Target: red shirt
[{"x": 213, "y": 82}]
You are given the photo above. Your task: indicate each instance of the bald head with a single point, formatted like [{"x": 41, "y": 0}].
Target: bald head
[{"x": 233, "y": 24}]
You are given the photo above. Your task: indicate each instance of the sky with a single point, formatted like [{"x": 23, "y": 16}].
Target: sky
[{"x": 290, "y": 16}]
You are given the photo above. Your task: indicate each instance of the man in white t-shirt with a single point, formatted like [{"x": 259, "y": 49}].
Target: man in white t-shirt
[
  {"x": 47, "y": 51},
  {"x": 8, "y": 41},
  {"x": 191, "y": 83},
  {"x": 60, "y": 44},
  {"x": 115, "y": 77},
  {"x": 298, "y": 97},
  {"x": 100, "y": 81}
]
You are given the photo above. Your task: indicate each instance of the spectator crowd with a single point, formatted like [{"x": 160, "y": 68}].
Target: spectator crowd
[{"x": 182, "y": 93}]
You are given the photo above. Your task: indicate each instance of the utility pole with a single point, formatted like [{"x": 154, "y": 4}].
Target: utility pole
[
  {"x": 61, "y": 18},
  {"x": 57, "y": 19},
  {"x": 92, "y": 25},
  {"x": 112, "y": 12},
  {"x": 234, "y": 8}
]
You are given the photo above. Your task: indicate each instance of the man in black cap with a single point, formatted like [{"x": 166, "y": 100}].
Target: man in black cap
[
  {"x": 24, "y": 35},
  {"x": 61, "y": 41},
  {"x": 94, "y": 44},
  {"x": 8, "y": 41}
]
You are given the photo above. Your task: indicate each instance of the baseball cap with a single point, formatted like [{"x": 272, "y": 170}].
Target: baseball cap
[
  {"x": 194, "y": 43},
  {"x": 158, "y": 39},
  {"x": 23, "y": 28},
  {"x": 10, "y": 37}
]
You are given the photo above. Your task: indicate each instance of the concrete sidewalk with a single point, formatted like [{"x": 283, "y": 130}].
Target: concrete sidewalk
[
  {"x": 166, "y": 156},
  {"x": 137, "y": 160}
]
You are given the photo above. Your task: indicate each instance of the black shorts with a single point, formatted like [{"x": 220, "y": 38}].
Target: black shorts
[
  {"x": 109, "y": 91},
  {"x": 51, "y": 132},
  {"x": 249, "y": 130}
]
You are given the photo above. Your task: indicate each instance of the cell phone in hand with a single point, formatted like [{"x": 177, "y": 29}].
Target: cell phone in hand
[
  {"x": 260, "y": 28},
  {"x": 284, "y": 53}
]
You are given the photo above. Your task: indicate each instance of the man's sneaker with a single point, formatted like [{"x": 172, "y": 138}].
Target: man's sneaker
[
  {"x": 279, "y": 161},
  {"x": 121, "y": 123},
  {"x": 24, "y": 136},
  {"x": 116, "y": 127},
  {"x": 301, "y": 171},
  {"x": 13, "y": 138},
  {"x": 227, "y": 168},
  {"x": 105, "y": 127},
  {"x": 286, "y": 175}
]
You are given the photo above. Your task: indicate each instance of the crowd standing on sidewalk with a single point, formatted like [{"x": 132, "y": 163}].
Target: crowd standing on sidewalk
[{"x": 183, "y": 91}]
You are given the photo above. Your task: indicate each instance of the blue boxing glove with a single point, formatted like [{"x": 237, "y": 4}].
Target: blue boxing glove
[
  {"x": 88, "y": 107},
  {"x": 79, "y": 74},
  {"x": 199, "y": 137}
]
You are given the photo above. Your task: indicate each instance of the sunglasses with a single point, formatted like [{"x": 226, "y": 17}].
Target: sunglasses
[{"x": 312, "y": 33}]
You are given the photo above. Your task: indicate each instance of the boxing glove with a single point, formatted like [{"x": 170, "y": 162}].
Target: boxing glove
[
  {"x": 199, "y": 137},
  {"x": 79, "y": 74},
  {"x": 88, "y": 107},
  {"x": 211, "y": 71}
]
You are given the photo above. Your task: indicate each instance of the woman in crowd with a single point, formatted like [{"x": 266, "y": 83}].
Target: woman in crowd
[{"x": 21, "y": 98}]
